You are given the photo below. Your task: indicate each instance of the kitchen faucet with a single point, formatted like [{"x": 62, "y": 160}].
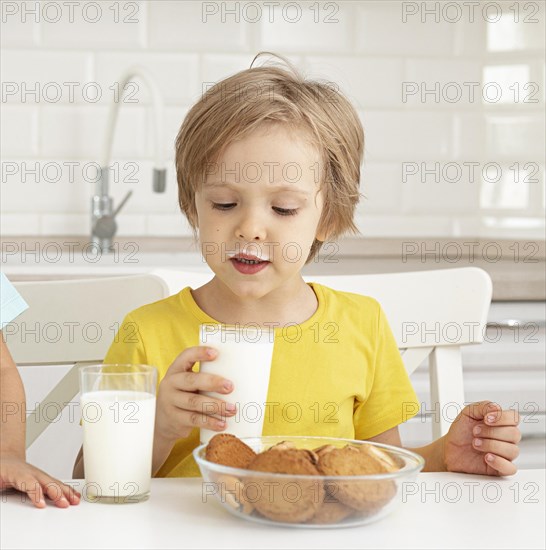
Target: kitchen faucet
[{"x": 103, "y": 223}]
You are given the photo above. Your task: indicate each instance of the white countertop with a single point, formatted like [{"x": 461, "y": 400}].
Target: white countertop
[
  {"x": 517, "y": 267},
  {"x": 440, "y": 510}
]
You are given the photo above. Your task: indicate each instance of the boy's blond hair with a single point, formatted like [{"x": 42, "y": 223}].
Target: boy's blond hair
[{"x": 269, "y": 94}]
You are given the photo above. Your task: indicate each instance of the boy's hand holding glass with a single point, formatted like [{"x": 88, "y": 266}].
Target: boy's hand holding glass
[
  {"x": 180, "y": 408},
  {"x": 483, "y": 439}
]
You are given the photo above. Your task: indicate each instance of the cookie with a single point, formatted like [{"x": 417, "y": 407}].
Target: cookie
[
  {"x": 228, "y": 450},
  {"x": 232, "y": 491},
  {"x": 289, "y": 500},
  {"x": 331, "y": 511},
  {"x": 365, "y": 496},
  {"x": 282, "y": 446}
]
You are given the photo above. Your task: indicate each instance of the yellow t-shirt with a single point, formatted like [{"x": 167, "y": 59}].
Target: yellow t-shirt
[{"x": 338, "y": 374}]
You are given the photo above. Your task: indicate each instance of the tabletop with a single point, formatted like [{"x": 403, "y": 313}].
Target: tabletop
[{"x": 438, "y": 510}]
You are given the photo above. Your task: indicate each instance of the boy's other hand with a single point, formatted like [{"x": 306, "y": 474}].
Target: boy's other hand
[
  {"x": 17, "y": 474},
  {"x": 483, "y": 439},
  {"x": 180, "y": 407}
]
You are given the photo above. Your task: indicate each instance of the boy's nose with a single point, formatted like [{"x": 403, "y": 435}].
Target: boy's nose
[{"x": 250, "y": 228}]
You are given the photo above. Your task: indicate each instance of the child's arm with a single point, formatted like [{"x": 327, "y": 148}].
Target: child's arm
[
  {"x": 14, "y": 470},
  {"x": 431, "y": 453},
  {"x": 462, "y": 449}
]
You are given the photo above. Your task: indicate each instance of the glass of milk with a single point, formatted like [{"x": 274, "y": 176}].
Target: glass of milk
[
  {"x": 244, "y": 357},
  {"x": 118, "y": 415}
]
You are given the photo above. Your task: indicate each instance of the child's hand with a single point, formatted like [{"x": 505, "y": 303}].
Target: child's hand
[
  {"x": 483, "y": 439},
  {"x": 180, "y": 408},
  {"x": 16, "y": 473}
]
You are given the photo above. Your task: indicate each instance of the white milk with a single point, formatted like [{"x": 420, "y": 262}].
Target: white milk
[
  {"x": 247, "y": 364},
  {"x": 118, "y": 431}
]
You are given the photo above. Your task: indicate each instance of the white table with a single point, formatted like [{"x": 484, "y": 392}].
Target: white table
[{"x": 441, "y": 510}]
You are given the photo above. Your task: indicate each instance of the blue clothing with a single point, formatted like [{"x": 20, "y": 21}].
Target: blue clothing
[{"x": 12, "y": 304}]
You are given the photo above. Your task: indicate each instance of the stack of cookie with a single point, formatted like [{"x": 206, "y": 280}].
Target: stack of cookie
[{"x": 303, "y": 499}]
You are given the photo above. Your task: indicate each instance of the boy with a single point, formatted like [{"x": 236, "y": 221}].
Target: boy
[
  {"x": 268, "y": 168},
  {"x": 14, "y": 470}
]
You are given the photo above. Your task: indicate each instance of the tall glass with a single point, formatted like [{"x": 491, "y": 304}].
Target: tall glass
[
  {"x": 244, "y": 357},
  {"x": 118, "y": 415}
]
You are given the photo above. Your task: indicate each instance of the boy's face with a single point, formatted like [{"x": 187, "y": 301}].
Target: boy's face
[{"x": 261, "y": 198}]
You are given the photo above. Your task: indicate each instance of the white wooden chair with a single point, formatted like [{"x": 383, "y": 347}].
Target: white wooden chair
[
  {"x": 72, "y": 322},
  {"x": 431, "y": 314}
]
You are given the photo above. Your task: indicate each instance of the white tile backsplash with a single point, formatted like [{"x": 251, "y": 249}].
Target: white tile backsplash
[
  {"x": 382, "y": 29},
  {"x": 19, "y": 131},
  {"x": 78, "y": 132},
  {"x": 65, "y": 224},
  {"x": 196, "y": 26},
  {"x": 176, "y": 75},
  {"x": 102, "y": 25},
  {"x": 19, "y": 224},
  {"x": 369, "y": 49},
  {"x": 45, "y": 77},
  {"x": 369, "y": 83},
  {"x": 516, "y": 137},
  {"x": 17, "y": 30},
  {"x": 408, "y": 136},
  {"x": 431, "y": 83},
  {"x": 302, "y": 27}
]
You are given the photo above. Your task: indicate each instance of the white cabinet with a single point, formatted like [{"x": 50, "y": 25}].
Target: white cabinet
[{"x": 508, "y": 368}]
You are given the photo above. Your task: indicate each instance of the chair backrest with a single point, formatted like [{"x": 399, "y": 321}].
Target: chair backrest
[
  {"x": 73, "y": 322},
  {"x": 431, "y": 314}
]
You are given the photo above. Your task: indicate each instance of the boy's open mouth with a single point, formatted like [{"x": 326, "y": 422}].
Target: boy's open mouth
[{"x": 248, "y": 264}]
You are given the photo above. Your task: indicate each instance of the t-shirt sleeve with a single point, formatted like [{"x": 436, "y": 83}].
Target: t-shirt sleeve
[
  {"x": 392, "y": 399},
  {"x": 127, "y": 346},
  {"x": 12, "y": 304}
]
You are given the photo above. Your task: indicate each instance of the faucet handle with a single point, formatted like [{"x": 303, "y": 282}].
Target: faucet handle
[
  {"x": 105, "y": 226},
  {"x": 122, "y": 203}
]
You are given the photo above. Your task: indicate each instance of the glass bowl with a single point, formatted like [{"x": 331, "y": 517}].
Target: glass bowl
[{"x": 311, "y": 501}]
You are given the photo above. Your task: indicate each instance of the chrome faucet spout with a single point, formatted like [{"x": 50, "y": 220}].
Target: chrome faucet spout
[{"x": 103, "y": 225}]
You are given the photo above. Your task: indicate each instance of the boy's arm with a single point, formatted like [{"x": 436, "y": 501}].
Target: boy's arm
[
  {"x": 432, "y": 453},
  {"x": 483, "y": 439}
]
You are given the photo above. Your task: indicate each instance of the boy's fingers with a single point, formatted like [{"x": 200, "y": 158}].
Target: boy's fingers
[
  {"x": 185, "y": 360},
  {"x": 203, "y": 404},
  {"x": 511, "y": 434},
  {"x": 502, "y": 418},
  {"x": 481, "y": 409},
  {"x": 200, "y": 381},
  {"x": 508, "y": 451},
  {"x": 200, "y": 420},
  {"x": 502, "y": 466}
]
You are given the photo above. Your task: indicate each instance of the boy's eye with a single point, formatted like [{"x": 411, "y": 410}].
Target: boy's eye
[
  {"x": 223, "y": 206},
  {"x": 285, "y": 211}
]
